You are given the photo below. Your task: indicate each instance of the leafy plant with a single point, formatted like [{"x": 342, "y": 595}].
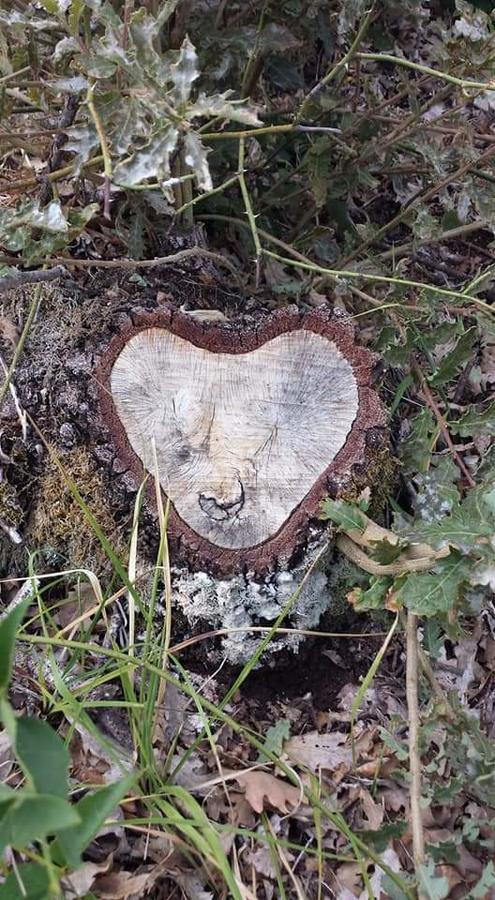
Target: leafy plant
[{"x": 39, "y": 814}]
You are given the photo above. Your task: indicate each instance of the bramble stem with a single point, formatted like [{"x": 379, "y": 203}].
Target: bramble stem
[
  {"x": 249, "y": 208},
  {"x": 337, "y": 68},
  {"x": 427, "y": 70}
]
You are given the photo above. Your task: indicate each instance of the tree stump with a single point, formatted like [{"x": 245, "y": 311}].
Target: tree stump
[{"x": 247, "y": 423}]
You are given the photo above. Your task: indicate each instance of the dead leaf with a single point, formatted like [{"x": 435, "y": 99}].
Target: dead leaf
[
  {"x": 319, "y": 751},
  {"x": 260, "y": 786},
  {"x": 373, "y": 811},
  {"x": 79, "y": 601},
  {"x": 121, "y": 884},
  {"x": 390, "y": 858},
  {"x": 79, "y": 883},
  {"x": 9, "y": 331},
  {"x": 348, "y": 881}
]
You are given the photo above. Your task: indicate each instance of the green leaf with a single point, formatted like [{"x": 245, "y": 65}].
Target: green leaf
[
  {"x": 417, "y": 449},
  {"x": 433, "y": 638},
  {"x": 470, "y": 524},
  {"x": 33, "y": 878},
  {"x": 384, "y": 552},
  {"x": 475, "y": 421},
  {"x": 374, "y": 596},
  {"x": 345, "y": 515},
  {"x": 429, "y": 593},
  {"x": 152, "y": 161},
  {"x": 485, "y": 883},
  {"x": 81, "y": 140},
  {"x": 318, "y": 166},
  {"x": 92, "y": 810},
  {"x": 219, "y": 106},
  {"x": 400, "y": 750},
  {"x": 75, "y": 85},
  {"x": 75, "y": 13},
  {"x": 43, "y": 756},
  {"x": 275, "y": 737},
  {"x": 437, "y": 493},
  {"x": 380, "y": 839},
  {"x": 8, "y": 631},
  {"x": 33, "y": 818},
  {"x": 431, "y": 886},
  {"x": 455, "y": 359}
]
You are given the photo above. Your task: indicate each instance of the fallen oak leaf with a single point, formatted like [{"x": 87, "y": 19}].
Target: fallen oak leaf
[
  {"x": 320, "y": 751},
  {"x": 260, "y": 786}
]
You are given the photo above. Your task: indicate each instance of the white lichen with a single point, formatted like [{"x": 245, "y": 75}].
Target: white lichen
[{"x": 243, "y": 601}]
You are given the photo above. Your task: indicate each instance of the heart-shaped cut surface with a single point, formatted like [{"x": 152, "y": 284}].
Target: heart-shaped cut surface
[{"x": 239, "y": 438}]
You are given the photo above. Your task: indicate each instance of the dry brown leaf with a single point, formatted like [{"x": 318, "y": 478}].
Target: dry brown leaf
[
  {"x": 373, "y": 811},
  {"x": 79, "y": 601},
  {"x": 396, "y": 799},
  {"x": 390, "y": 858},
  {"x": 79, "y": 883},
  {"x": 120, "y": 885},
  {"x": 9, "y": 331},
  {"x": 260, "y": 786},
  {"x": 348, "y": 880},
  {"x": 319, "y": 751}
]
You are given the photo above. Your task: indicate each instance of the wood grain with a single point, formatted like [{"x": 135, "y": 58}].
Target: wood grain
[{"x": 240, "y": 438}]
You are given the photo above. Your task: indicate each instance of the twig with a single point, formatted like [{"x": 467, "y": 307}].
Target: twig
[
  {"x": 55, "y": 160},
  {"x": 263, "y": 629},
  {"x": 414, "y": 757},
  {"x": 105, "y": 152},
  {"x": 283, "y": 128},
  {"x": 342, "y": 63},
  {"x": 336, "y": 274},
  {"x": 20, "y": 346},
  {"x": 221, "y": 187},
  {"x": 428, "y": 396},
  {"x": 21, "y": 413},
  {"x": 249, "y": 209},
  {"x": 24, "y": 183},
  {"x": 35, "y": 276},
  {"x": 123, "y": 263},
  {"x": 288, "y": 249},
  {"x": 12, "y": 75},
  {"x": 401, "y": 249}
]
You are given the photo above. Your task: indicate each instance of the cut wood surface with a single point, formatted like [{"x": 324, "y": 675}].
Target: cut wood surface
[
  {"x": 243, "y": 427},
  {"x": 240, "y": 439}
]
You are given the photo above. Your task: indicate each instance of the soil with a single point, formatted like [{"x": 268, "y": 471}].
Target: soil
[{"x": 311, "y": 678}]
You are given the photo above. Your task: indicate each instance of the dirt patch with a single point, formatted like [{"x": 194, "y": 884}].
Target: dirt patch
[{"x": 311, "y": 678}]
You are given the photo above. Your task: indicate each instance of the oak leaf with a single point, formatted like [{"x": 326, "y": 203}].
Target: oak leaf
[{"x": 261, "y": 787}]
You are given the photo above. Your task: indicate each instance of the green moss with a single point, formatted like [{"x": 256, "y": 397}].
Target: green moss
[
  {"x": 379, "y": 477},
  {"x": 10, "y": 509},
  {"x": 57, "y": 522}
]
